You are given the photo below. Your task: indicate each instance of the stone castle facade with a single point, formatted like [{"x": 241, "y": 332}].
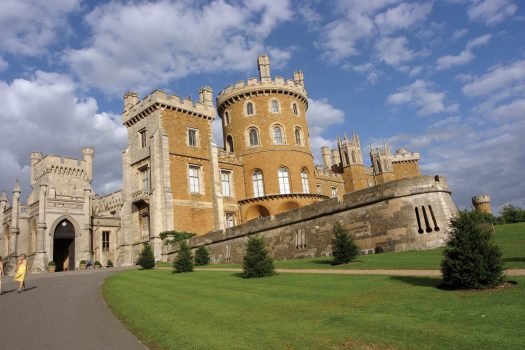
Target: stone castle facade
[{"x": 175, "y": 178}]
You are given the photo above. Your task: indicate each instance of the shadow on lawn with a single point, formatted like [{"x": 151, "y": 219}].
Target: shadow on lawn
[
  {"x": 514, "y": 259},
  {"x": 433, "y": 282},
  {"x": 329, "y": 262}
]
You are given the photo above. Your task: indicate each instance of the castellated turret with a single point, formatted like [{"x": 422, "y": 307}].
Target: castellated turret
[
  {"x": 482, "y": 203},
  {"x": 264, "y": 121}
]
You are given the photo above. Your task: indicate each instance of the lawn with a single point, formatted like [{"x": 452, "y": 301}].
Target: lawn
[
  {"x": 220, "y": 310},
  {"x": 511, "y": 239}
]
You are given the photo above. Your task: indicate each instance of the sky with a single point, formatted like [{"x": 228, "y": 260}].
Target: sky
[{"x": 444, "y": 78}]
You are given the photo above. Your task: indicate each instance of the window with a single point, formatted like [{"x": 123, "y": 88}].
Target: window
[
  {"x": 192, "y": 137},
  {"x": 298, "y": 136},
  {"x": 229, "y": 219},
  {"x": 229, "y": 143},
  {"x": 254, "y": 137},
  {"x": 277, "y": 135},
  {"x": 304, "y": 181},
  {"x": 226, "y": 178},
  {"x": 142, "y": 138},
  {"x": 194, "y": 178},
  {"x": 144, "y": 175},
  {"x": 284, "y": 181},
  {"x": 295, "y": 110},
  {"x": 334, "y": 191},
  {"x": 258, "y": 183},
  {"x": 226, "y": 118},
  {"x": 275, "y": 106},
  {"x": 319, "y": 189},
  {"x": 249, "y": 108},
  {"x": 105, "y": 241}
]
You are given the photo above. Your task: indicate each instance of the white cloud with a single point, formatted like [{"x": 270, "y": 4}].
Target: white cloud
[
  {"x": 3, "y": 64},
  {"x": 419, "y": 95},
  {"x": 142, "y": 45},
  {"x": 393, "y": 51},
  {"x": 491, "y": 12},
  {"x": 458, "y": 34},
  {"x": 498, "y": 78},
  {"x": 47, "y": 116},
  {"x": 321, "y": 115},
  {"x": 372, "y": 74},
  {"x": 466, "y": 56},
  {"x": 479, "y": 41},
  {"x": 402, "y": 16},
  {"x": 29, "y": 27}
]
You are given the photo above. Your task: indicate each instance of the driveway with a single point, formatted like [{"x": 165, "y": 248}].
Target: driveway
[{"x": 62, "y": 310}]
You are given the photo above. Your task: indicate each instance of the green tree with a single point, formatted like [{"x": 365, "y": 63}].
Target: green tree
[
  {"x": 471, "y": 260},
  {"x": 146, "y": 259},
  {"x": 344, "y": 248},
  {"x": 257, "y": 262},
  {"x": 511, "y": 214},
  {"x": 201, "y": 256},
  {"x": 184, "y": 260},
  {"x": 483, "y": 218}
]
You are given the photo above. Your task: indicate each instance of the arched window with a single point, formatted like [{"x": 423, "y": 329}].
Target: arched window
[
  {"x": 229, "y": 143},
  {"x": 275, "y": 106},
  {"x": 304, "y": 181},
  {"x": 295, "y": 110},
  {"x": 253, "y": 136},
  {"x": 258, "y": 183},
  {"x": 284, "y": 180},
  {"x": 226, "y": 118},
  {"x": 298, "y": 136},
  {"x": 249, "y": 108},
  {"x": 278, "y": 135}
]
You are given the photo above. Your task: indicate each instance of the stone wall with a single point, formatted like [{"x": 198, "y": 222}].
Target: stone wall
[{"x": 381, "y": 218}]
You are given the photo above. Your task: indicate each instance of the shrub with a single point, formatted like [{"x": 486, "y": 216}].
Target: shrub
[
  {"x": 257, "y": 262},
  {"x": 511, "y": 214},
  {"x": 98, "y": 264},
  {"x": 471, "y": 260},
  {"x": 201, "y": 256},
  {"x": 82, "y": 262},
  {"x": 146, "y": 259},
  {"x": 344, "y": 248},
  {"x": 109, "y": 263},
  {"x": 184, "y": 260},
  {"x": 51, "y": 263}
]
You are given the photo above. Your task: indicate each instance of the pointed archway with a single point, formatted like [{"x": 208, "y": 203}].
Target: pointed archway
[{"x": 64, "y": 245}]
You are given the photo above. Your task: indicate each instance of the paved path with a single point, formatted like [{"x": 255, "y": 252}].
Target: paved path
[
  {"x": 510, "y": 272},
  {"x": 63, "y": 310}
]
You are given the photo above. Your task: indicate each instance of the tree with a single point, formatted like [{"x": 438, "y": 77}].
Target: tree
[
  {"x": 184, "y": 261},
  {"x": 471, "y": 260},
  {"x": 201, "y": 256},
  {"x": 146, "y": 258},
  {"x": 257, "y": 262},
  {"x": 344, "y": 248},
  {"x": 511, "y": 214}
]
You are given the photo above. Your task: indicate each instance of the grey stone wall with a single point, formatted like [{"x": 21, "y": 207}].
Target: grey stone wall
[{"x": 381, "y": 218}]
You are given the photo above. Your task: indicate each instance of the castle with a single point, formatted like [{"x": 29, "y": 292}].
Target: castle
[{"x": 175, "y": 178}]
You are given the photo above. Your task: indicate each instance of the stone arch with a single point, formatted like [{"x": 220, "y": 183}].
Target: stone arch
[
  {"x": 256, "y": 211},
  {"x": 289, "y": 205},
  {"x": 64, "y": 231},
  {"x": 62, "y": 218}
]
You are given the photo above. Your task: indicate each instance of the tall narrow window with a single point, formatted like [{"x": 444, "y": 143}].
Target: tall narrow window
[
  {"x": 298, "y": 136},
  {"x": 142, "y": 138},
  {"x": 192, "y": 137},
  {"x": 419, "y": 229},
  {"x": 436, "y": 227},
  {"x": 226, "y": 178},
  {"x": 194, "y": 179},
  {"x": 353, "y": 157},
  {"x": 275, "y": 106},
  {"x": 229, "y": 219},
  {"x": 105, "y": 241},
  {"x": 319, "y": 189},
  {"x": 229, "y": 143},
  {"x": 258, "y": 183},
  {"x": 226, "y": 118},
  {"x": 254, "y": 137},
  {"x": 249, "y": 108},
  {"x": 284, "y": 180},
  {"x": 334, "y": 191},
  {"x": 144, "y": 173},
  {"x": 304, "y": 181},
  {"x": 277, "y": 135},
  {"x": 295, "y": 109}
]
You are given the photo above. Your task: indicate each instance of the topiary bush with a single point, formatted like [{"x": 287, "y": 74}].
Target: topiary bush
[
  {"x": 51, "y": 263},
  {"x": 201, "y": 256},
  {"x": 257, "y": 262},
  {"x": 146, "y": 259},
  {"x": 344, "y": 249},
  {"x": 109, "y": 263},
  {"x": 471, "y": 260},
  {"x": 98, "y": 264},
  {"x": 184, "y": 260}
]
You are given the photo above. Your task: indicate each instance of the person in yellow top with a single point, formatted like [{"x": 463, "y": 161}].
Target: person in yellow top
[{"x": 21, "y": 270}]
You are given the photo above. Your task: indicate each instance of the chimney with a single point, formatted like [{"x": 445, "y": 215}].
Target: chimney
[{"x": 264, "y": 67}]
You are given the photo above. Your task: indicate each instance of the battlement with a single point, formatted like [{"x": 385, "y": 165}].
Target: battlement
[
  {"x": 405, "y": 157},
  {"x": 485, "y": 198},
  {"x": 327, "y": 174},
  {"x": 159, "y": 99},
  {"x": 52, "y": 164},
  {"x": 103, "y": 205},
  {"x": 380, "y": 151}
]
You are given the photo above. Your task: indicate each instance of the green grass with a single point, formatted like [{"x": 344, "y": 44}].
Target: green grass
[
  {"x": 220, "y": 310},
  {"x": 511, "y": 239}
]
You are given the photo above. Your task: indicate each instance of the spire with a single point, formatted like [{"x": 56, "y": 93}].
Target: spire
[
  {"x": 3, "y": 197},
  {"x": 16, "y": 189}
]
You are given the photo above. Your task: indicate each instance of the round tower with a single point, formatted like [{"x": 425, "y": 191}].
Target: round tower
[
  {"x": 264, "y": 121},
  {"x": 482, "y": 203}
]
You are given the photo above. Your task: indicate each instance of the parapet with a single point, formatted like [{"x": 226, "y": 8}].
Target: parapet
[
  {"x": 59, "y": 165},
  {"x": 159, "y": 99},
  {"x": 405, "y": 157},
  {"x": 484, "y": 198}
]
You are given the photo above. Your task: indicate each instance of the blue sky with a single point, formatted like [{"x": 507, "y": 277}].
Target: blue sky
[{"x": 444, "y": 78}]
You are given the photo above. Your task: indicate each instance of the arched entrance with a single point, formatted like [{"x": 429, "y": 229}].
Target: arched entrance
[
  {"x": 64, "y": 246},
  {"x": 256, "y": 211}
]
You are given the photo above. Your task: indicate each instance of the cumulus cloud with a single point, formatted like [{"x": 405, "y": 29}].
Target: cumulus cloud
[
  {"x": 48, "y": 116},
  {"x": 402, "y": 16},
  {"x": 491, "y": 12},
  {"x": 146, "y": 44},
  {"x": 420, "y": 95},
  {"x": 29, "y": 27},
  {"x": 372, "y": 74},
  {"x": 497, "y": 79},
  {"x": 3, "y": 64},
  {"x": 393, "y": 51},
  {"x": 466, "y": 56},
  {"x": 458, "y": 34}
]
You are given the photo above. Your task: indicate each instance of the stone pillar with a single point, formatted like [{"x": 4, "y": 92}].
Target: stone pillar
[
  {"x": 3, "y": 205},
  {"x": 124, "y": 250},
  {"x": 15, "y": 214},
  {"x": 40, "y": 261},
  {"x": 155, "y": 199},
  {"x": 327, "y": 162},
  {"x": 218, "y": 201},
  {"x": 85, "y": 241},
  {"x": 167, "y": 195}
]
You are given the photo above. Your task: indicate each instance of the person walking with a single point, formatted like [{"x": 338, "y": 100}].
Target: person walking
[
  {"x": 1, "y": 273},
  {"x": 20, "y": 272}
]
